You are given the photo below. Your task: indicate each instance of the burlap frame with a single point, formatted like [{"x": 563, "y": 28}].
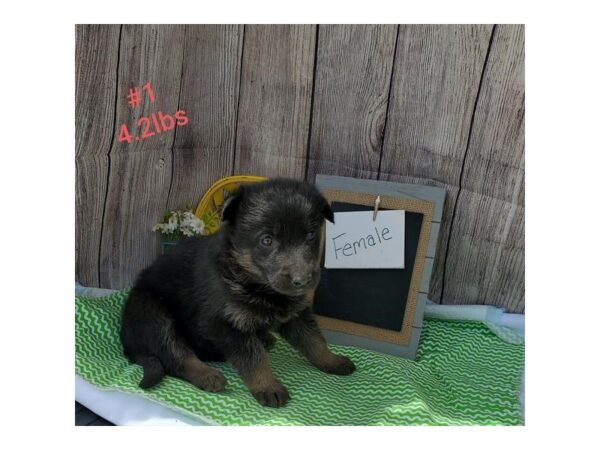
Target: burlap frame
[{"x": 401, "y": 337}]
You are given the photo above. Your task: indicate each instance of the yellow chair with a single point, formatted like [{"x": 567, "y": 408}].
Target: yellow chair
[{"x": 209, "y": 208}]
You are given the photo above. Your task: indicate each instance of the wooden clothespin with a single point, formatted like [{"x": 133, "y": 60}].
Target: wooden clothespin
[{"x": 377, "y": 202}]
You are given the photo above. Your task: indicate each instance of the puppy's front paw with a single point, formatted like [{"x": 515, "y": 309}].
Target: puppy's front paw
[
  {"x": 273, "y": 396},
  {"x": 339, "y": 365},
  {"x": 212, "y": 380}
]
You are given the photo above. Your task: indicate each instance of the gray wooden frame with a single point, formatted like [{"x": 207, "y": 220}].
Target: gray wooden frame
[{"x": 397, "y": 190}]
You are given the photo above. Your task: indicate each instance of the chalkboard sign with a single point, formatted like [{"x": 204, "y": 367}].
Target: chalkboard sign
[
  {"x": 375, "y": 297},
  {"x": 376, "y": 304},
  {"x": 386, "y": 317}
]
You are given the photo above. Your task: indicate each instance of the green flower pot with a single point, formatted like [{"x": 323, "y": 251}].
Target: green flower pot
[{"x": 167, "y": 246}]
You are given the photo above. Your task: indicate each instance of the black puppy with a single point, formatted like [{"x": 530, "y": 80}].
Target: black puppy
[{"x": 218, "y": 297}]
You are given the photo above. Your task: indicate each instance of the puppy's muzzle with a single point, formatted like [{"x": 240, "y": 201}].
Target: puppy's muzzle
[
  {"x": 302, "y": 279},
  {"x": 299, "y": 281}
]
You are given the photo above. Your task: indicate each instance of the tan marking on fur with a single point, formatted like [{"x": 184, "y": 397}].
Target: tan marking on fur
[
  {"x": 202, "y": 375},
  {"x": 317, "y": 351},
  {"x": 314, "y": 347},
  {"x": 193, "y": 366},
  {"x": 244, "y": 259},
  {"x": 242, "y": 318},
  {"x": 173, "y": 344},
  {"x": 261, "y": 376},
  {"x": 235, "y": 286}
]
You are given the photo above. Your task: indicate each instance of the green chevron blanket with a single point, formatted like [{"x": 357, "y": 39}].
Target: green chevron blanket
[{"x": 464, "y": 375}]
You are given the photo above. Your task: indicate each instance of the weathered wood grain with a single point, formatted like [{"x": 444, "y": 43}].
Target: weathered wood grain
[
  {"x": 420, "y": 136},
  {"x": 486, "y": 254},
  {"x": 275, "y": 100},
  {"x": 486, "y": 261},
  {"x": 140, "y": 171},
  {"x": 96, "y": 57},
  {"x": 204, "y": 149},
  {"x": 434, "y": 88},
  {"x": 353, "y": 72},
  {"x": 495, "y": 161}
]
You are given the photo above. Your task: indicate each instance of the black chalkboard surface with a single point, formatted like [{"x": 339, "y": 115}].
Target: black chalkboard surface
[{"x": 374, "y": 297}]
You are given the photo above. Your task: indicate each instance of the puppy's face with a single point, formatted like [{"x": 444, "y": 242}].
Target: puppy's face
[{"x": 275, "y": 230}]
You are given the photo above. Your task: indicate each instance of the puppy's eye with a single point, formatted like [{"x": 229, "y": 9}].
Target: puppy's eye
[
  {"x": 311, "y": 235},
  {"x": 266, "y": 240}
]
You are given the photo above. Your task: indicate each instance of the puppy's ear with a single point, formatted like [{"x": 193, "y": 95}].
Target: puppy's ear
[
  {"x": 326, "y": 210},
  {"x": 232, "y": 205}
]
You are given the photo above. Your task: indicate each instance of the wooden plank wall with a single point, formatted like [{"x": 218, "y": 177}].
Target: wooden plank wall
[{"x": 440, "y": 105}]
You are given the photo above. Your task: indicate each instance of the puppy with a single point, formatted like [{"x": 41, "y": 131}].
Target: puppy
[{"x": 218, "y": 297}]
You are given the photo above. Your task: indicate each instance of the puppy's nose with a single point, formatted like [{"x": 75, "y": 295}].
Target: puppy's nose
[{"x": 301, "y": 280}]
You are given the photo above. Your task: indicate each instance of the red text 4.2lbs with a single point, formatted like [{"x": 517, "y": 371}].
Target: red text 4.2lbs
[{"x": 158, "y": 122}]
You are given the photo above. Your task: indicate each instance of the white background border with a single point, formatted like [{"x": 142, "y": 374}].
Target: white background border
[{"x": 37, "y": 188}]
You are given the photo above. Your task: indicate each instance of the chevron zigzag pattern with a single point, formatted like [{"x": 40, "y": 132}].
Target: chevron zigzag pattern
[{"x": 464, "y": 375}]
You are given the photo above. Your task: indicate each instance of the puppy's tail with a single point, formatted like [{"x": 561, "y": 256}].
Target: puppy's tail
[{"x": 154, "y": 371}]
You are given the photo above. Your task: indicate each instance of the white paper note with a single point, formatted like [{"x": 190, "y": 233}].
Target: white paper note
[{"x": 355, "y": 241}]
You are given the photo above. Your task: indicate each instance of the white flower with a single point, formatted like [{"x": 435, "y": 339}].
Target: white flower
[
  {"x": 190, "y": 224},
  {"x": 184, "y": 221}
]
